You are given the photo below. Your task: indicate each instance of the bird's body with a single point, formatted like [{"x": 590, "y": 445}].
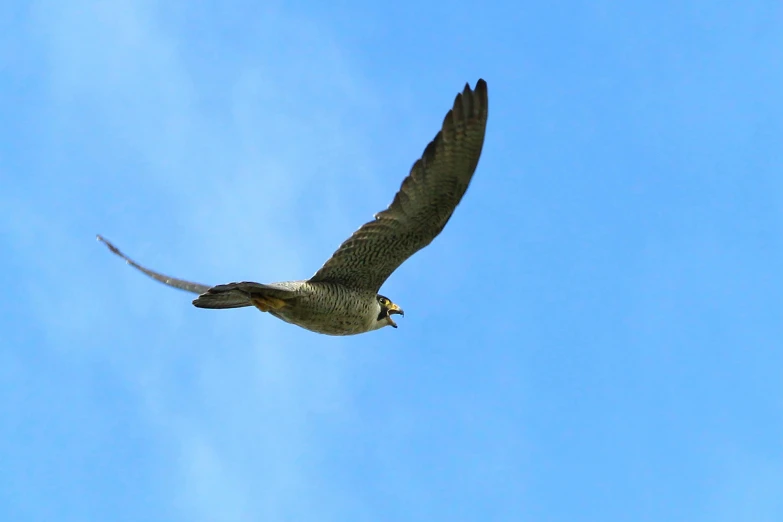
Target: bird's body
[
  {"x": 331, "y": 309},
  {"x": 326, "y": 308},
  {"x": 342, "y": 297}
]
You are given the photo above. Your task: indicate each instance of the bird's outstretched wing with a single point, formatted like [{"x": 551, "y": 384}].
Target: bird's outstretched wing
[
  {"x": 424, "y": 203},
  {"x": 188, "y": 286}
]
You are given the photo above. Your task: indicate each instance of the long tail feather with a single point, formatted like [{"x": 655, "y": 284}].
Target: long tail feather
[
  {"x": 236, "y": 295},
  {"x": 232, "y": 299}
]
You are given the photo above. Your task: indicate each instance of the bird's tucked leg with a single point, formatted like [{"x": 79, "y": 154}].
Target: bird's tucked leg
[{"x": 267, "y": 303}]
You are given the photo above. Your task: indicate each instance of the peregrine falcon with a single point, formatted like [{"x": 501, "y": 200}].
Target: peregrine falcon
[{"x": 342, "y": 297}]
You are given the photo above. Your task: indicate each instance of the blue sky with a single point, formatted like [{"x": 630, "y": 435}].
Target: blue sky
[{"x": 596, "y": 336}]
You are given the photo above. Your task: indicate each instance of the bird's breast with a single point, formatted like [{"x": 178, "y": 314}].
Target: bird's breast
[{"x": 331, "y": 309}]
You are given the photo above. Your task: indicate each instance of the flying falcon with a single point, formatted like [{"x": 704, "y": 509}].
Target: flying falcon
[{"x": 342, "y": 297}]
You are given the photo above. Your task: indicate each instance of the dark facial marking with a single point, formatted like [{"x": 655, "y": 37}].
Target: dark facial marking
[{"x": 382, "y": 300}]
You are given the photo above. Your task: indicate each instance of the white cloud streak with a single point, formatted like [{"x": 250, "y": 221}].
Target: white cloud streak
[{"x": 203, "y": 183}]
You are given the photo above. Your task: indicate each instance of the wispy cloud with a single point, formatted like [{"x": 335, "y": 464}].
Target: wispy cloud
[{"x": 206, "y": 182}]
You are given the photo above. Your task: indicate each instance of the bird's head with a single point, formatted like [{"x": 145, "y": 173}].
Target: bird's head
[{"x": 387, "y": 309}]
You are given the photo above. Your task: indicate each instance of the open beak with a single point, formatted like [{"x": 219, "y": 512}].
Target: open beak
[{"x": 394, "y": 309}]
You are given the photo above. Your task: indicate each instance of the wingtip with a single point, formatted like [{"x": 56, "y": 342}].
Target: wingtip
[
  {"x": 109, "y": 245},
  {"x": 479, "y": 93},
  {"x": 103, "y": 240},
  {"x": 481, "y": 84}
]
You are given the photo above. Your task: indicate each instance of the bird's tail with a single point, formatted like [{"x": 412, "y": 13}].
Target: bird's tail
[
  {"x": 238, "y": 295},
  {"x": 219, "y": 300}
]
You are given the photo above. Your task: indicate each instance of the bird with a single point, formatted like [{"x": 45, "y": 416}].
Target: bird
[{"x": 342, "y": 297}]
